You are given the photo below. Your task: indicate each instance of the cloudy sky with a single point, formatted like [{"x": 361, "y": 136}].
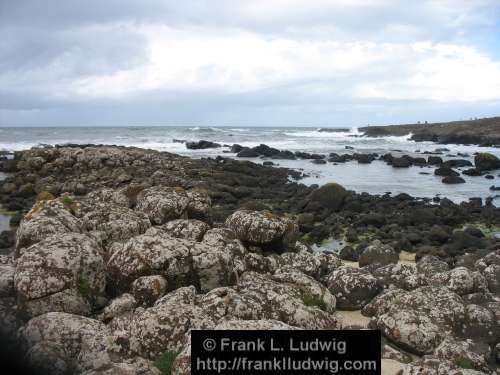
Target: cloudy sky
[{"x": 259, "y": 62}]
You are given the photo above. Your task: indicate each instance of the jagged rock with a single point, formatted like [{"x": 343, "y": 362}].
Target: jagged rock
[
  {"x": 352, "y": 287},
  {"x": 263, "y": 228},
  {"x": 148, "y": 289},
  {"x": 378, "y": 254},
  {"x": 189, "y": 229},
  {"x": 63, "y": 272},
  {"x": 116, "y": 222},
  {"x": 44, "y": 219}
]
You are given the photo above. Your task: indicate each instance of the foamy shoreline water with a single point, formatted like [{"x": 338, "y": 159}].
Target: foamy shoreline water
[{"x": 375, "y": 178}]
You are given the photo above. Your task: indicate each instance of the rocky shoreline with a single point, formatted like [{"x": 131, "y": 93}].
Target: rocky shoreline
[
  {"x": 483, "y": 132},
  {"x": 116, "y": 253}
]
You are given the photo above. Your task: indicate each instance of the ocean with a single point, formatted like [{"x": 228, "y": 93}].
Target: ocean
[{"x": 374, "y": 178}]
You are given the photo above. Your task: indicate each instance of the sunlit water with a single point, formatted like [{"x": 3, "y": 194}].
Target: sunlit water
[{"x": 375, "y": 178}]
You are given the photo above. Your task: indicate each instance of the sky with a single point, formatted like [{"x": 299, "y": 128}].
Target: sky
[{"x": 247, "y": 63}]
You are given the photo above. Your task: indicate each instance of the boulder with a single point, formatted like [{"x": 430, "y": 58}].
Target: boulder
[
  {"x": 162, "y": 204},
  {"x": 44, "y": 219},
  {"x": 430, "y": 265},
  {"x": 401, "y": 162},
  {"x": 148, "y": 289},
  {"x": 188, "y": 229},
  {"x": 453, "y": 180},
  {"x": 402, "y": 276},
  {"x": 378, "y": 254},
  {"x": 60, "y": 273},
  {"x": 200, "y": 145},
  {"x": 352, "y": 287},
  {"x": 460, "y": 280},
  {"x": 330, "y": 196},
  {"x": 263, "y": 228},
  {"x": 119, "y": 306},
  {"x": 446, "y": 171},
  {"x": 486, "y": 162}
]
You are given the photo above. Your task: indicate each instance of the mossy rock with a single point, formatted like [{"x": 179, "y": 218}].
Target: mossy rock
[
  {"x": 486, "y": 162},
  {"x": 330, "y": 196}
]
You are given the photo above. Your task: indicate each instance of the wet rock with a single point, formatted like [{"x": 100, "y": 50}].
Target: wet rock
[
  {"x": 457, "y": 163},
  {"x": 453, "y": 180},
  {"x": 472, "y": 172},
  {"x": 188, "y": 229},
  {"x": 352, "y": 287},
  {"x": 246, "y": 152},
  {"x": 439, "y": 234},
  {"x": 201, "y": 145},
  {"x": 446, "y": 171},
  {"x": 60, "y": 273},
  {"x": 378, "y": 254},
  {"x": 434, "y": 160},
  {"x": 148, "y": 289},
  {"x": 486, "y": 162},
  {"x": 263, "y": 228},
  {"x": 401, "y": 162}
]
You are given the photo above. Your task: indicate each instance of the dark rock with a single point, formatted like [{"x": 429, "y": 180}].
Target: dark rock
[
  {"x": 268, "y": 163},
  {"x": 489, "y": 177},
  {"x": 439, "y": 234},
  {"x": 401, "y": 162},
  {"x": 494, "y": 188},
  {"x": 349, "y": 253},
  {"x": 486, "y": 162},
  {"x": 472, "y": 172},
  {"x": 265, "y": 150},
  {"x": 319, "y": 161},
  {"x": 378, "y": 254},
  {"x": 457, "y": 163},
  {"x": 247, "y": 153},
  {"x": 286, "y": 155},
  {"x": 179, "y": 140},
  {"x": 236, "y": 148},
  {"x": 201, "y": 145},
  {"x": 445, "y": 172},
  {"x": 330, "y": 196},
  {"x": 453, "y": 180},
  {"x": 434, "y": 160}
]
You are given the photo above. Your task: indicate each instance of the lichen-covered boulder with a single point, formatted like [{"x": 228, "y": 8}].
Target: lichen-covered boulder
[
  {"x": 481, "y": 324},
  {"x": 44, "y": 219},
  {"x": 118, "y": 306},
  {"x": 313, "y": 291},
  {"x": 54, "y": 340},
  {"x": 116, "y": 222},
  {"x": 263, "y": 228},
  {"x": 378, "y": 254},
  {"x": 258, "y": 296},
  {"x": 148, "y": 289},
  {"x": 152, "y": 253},
  {"x": 352, "y": 287},
  {"x": 7, "y": 272},
  {"x": 165, "y": 327},
  {"x": 489, "y": 267},
  {"x": 191, "y": 229},
  {"x": 199, "y": 205},
  {"x": 162, "y": 204},
  {"x": 109, "y": 196},
  {"x": 403, "y": 276},
  {"x": 63, "y": 272},
  {"x": 419, "y": 319},
  {"x": 463, "y": 352},
  {"x": 430, "y": 265},
  {"x": 316, "y": 265},
  {"x": 460, "y": 280}
]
